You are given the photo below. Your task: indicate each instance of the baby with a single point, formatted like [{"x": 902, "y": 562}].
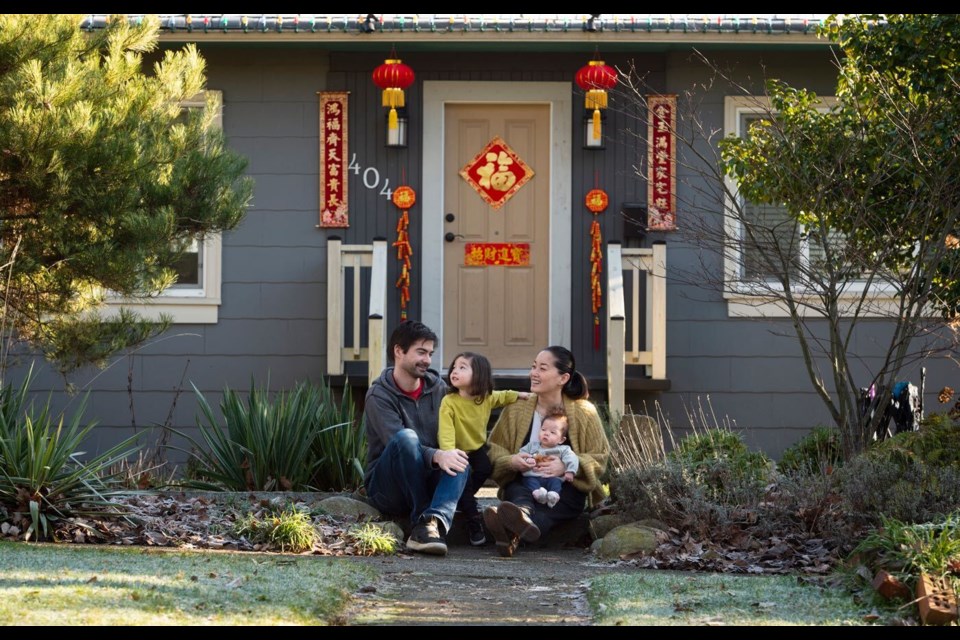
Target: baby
[{"x": 553, "y": 433}]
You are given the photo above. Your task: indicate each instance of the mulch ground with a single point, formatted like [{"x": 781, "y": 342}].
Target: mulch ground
[{"x": 207, "y": 521}]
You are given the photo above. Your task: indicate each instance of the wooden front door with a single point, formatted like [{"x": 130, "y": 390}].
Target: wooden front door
[{"x": 501, "y": 312}]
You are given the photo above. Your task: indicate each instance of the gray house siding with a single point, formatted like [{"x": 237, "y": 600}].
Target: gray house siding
[{"x": 272, "y": 323}]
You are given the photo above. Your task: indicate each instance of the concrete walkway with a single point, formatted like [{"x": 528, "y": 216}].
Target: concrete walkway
[{"x": 474, "y": 586}]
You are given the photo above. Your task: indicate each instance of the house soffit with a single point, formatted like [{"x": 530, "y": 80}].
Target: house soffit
[{"x": 487, "y": 32}]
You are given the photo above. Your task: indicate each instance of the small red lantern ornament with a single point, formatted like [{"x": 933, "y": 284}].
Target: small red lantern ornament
[
  {"x": 597, "y": 201},
  {"x": 596, "y": 78},
  {"x": 393, "y": 77},
  {"x": 404, "y": 198}
]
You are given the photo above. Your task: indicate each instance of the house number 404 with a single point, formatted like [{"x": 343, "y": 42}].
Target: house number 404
[{"x": 371, "y": 178}]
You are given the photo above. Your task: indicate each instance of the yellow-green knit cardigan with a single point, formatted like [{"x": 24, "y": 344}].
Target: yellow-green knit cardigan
[{"x": 585, "y": 437}]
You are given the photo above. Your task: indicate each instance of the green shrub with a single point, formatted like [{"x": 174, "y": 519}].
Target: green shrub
[
  {"x": 297, "y": 440},
  {"x": 916, "y": 492},
  {"x": 41, "y": 474},
  {"x": 913, "y": 477},
  {"x": 937, "y": 442},
  {"x": 820, "y": 452},
  {"x": 721, "y": 461}
]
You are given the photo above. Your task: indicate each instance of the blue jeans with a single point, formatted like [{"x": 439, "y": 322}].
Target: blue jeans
[
  {"x": 402, "y": 482},
  {"x": 535, "y": 482}
]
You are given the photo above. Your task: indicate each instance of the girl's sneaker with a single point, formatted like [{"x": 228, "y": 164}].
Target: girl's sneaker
[{"x": 475, "y": 530}]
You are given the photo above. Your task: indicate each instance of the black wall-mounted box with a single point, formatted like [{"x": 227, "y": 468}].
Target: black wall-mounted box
[{"x": 634, "y": 216}]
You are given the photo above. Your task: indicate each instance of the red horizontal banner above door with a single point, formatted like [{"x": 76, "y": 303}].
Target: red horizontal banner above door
[{"x": 502, "y": 254}]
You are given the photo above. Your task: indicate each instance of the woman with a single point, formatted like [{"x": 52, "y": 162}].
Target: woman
[{"x": 555, "y": 381}]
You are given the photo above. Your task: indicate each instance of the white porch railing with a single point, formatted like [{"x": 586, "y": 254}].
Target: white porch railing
[
  {"x": 654, "y": 355},
  {"x": 341, "y": 257}
]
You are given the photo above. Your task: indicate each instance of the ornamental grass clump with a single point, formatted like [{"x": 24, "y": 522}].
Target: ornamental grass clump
[
  {"x": 289, "y": 530},
  {"x": 707, "y": 480},
  {"x": 370, "y": 539},
  {"x": 908, "y": 550}
]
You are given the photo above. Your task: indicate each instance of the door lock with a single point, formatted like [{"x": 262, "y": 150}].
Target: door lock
[{"x": 450, "y": 236}]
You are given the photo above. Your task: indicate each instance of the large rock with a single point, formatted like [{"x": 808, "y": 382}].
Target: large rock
[
  {"x": 395, "y": 530},
  {"x": 348, "y": 507},
  {"x": 629, "y": 538},
  {"x": 602, "y": 525},
  {"x": 653, "y": 523}
]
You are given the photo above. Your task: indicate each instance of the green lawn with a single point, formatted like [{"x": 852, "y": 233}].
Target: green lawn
[
  {"x": 82, "y": 585},
  {"x": 668, "y": 598}
]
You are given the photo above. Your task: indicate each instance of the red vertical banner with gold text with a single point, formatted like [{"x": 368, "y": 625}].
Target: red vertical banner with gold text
[
  {"x": 333, "y": 159},
  {"x": 661, "y": 163}
]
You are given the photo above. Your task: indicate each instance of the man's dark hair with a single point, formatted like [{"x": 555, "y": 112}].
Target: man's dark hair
[{"x": 406, "y": 333}]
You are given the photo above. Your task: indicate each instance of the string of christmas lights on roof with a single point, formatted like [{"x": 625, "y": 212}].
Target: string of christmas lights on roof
[{"x": 475, "y": 23}]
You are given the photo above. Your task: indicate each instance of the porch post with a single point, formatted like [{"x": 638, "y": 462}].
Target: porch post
[
  {"x": 659, "y": 303},
  {"x": 616, "y": 333},
  {"x": 377, "y": 322},
  {"x": 334, "y": 306}
]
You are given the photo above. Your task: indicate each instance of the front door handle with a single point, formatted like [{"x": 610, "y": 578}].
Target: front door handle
[{"x": 450, "y": 236}]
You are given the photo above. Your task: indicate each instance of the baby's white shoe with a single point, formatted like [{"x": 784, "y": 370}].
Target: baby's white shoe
[
  {"x": 552, "y": 499},
  {"x": 541, "y": 495}
]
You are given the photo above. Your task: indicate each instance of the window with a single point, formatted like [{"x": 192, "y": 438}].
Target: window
[
  {"x": 747, "y": 276},
  {"x": 195, "y": 297}
]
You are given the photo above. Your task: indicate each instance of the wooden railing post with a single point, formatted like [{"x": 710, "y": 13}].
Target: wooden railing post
[
  {"x": 334, "y": 306},
  {"x": 658, "y": 338},
  {"x": 377, "y": 316},
  {"x": 616, "y": 333}
]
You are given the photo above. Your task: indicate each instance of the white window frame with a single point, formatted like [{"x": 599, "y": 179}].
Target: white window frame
[
  {"x": 186, "y": 305},
  {"x": 745, "y": 298}
]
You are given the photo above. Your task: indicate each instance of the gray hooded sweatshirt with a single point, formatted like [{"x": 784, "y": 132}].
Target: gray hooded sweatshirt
[{"x": 387, "y": 410}]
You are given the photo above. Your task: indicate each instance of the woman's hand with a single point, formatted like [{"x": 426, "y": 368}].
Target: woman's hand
[
  {"x": 522, "y": 462},
  {"x": 552, "y": 467}
]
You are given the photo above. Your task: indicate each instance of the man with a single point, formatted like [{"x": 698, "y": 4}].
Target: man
[{"x": 405, "y": 471}]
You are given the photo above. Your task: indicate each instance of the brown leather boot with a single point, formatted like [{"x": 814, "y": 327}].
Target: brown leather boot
[
  {"x": 506, "y": 542},
  {"x": 515, "y": 520}
]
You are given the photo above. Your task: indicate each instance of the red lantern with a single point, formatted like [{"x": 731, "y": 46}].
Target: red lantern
[
  {"x": 596, "y": 78},
  {"x": 393, "y": 77}
]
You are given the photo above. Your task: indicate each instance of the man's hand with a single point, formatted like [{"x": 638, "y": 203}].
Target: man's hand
[{"x": 452, "y": 461}]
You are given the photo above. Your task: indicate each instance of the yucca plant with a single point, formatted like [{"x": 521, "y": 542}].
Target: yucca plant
[
  {"x": 299, "y": 440},
  {"x": 41, "y": 474},
  {"x": 341, "y": 442},
  {"x": 263, "y": 445}
]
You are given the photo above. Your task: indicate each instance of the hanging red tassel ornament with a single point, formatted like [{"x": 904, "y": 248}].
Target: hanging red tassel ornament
[
  {"x": 596, "y": 78},
  {"x": 404, "y": 198},
  {"x": 597, "y": 202},
  {"x": 393, "y": 77}
]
